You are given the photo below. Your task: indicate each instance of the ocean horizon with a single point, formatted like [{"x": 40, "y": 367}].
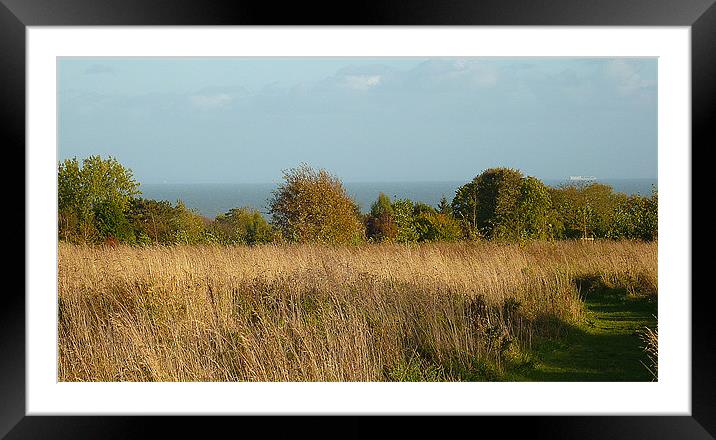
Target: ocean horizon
[{"x": 211, "y": 199}]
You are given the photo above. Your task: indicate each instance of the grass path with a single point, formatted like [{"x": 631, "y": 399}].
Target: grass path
[{"x": 605, "y": 348}]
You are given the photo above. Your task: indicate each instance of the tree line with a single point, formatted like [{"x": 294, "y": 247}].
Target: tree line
[{"x": 99, "y": 201}]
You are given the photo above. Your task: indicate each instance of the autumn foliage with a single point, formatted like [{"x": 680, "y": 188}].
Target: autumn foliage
[{"x": 313, "y": 206}]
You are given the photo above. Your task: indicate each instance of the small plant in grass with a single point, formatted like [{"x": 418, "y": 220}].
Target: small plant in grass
[
  {"x": 650, "y": 338},
  {"x": 415, "y": 369}
]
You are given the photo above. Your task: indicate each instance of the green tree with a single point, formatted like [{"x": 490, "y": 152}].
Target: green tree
[
  {"x": 190, "y": 225},
  {"x": 635, "y": 217},
  {"x": 110, "y": 221},
  {"x": 154, "y": 221},
  {"x": 313, "y": 206},
  {"x": 403, "y": 214},
  {"x": 534, "y": 209},
  {"x": 242, "y": 226},
  {"x": 464, "y": 204},
  {"x": 488, "y": 203},
  {"x": 587, "y": 210},
  {"x": 420, "y": 208},
  {"x": 650, "y": 224},
  {"x": 380, "y": 225},
  {"x": 381, "y": 206},
  {"x": 81, "y": 189},
  {"x": 436, "y": 226},
  {"x": 444, "y": 206}
]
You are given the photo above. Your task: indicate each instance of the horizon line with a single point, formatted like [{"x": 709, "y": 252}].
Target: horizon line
[{"x": 565, "y": 178}]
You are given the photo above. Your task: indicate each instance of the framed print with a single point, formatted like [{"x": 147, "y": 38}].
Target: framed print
[{"x": 446, "y": 210}]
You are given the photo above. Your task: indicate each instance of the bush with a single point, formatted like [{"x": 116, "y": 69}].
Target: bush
[
  {"x": 313, "y": 206},
  {"x": 156, "y": 221},
  {"x": 190, "y": 226},
  {"x": 241, "y": 226},
  {"x": 110, "y": 222},
  {"x": 437, "y": 227},
  {"x": 635, "y": 218},
  {"x": 380, "y": 225},
  {"x": 404, "y": 221},
  {"x": 488, "y": 204},
  {"x": 585, "y": 210},
  {"x": 97, "y": 186},
  {"x": 444, "y": 206},
  {"x": 533, "y": 216}
]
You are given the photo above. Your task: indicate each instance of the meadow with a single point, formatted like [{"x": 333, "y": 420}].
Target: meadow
[{"x": 464, "y": 311}]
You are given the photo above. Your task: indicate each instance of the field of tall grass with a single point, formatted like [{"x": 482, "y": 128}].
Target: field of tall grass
[{"x": 445, "y": 311}]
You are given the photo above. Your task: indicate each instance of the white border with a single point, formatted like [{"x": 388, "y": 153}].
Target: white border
[{"x": 671, "y": 395}]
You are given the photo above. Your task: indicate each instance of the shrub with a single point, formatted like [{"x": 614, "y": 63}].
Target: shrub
[
  {"x": 380, "y": 225},
  {"x": 190, "y": 226},
  {"x": 404, "y": 221},
  {"x": 110, "y": 221},
  {"x": 422, "y": 208},
  {"x": 586, "y": 210},
  {"x": 635, "y": 218},
  {"x": 156, "y": 221},
  {"x": 444, "y": 206},
  {"x": 242, "y": 226},
  {"x": 82, "y": 189},
  {"x": 533, "y": 212},
  {"x": 437, "y": 227},
  {"x": 650, "y": 339},
  {"x": 489, "y": 202},
  {"x": 313, "y": 206}
]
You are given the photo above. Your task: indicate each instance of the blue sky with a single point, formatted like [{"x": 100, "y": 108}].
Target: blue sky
[{"x": 236, "y": 120}]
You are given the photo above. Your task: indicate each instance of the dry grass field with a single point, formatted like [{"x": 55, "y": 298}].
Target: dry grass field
[{"x": 461, "y": 311}]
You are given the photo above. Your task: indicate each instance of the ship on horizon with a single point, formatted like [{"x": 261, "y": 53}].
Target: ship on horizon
[{"x": 582, "y": 178}]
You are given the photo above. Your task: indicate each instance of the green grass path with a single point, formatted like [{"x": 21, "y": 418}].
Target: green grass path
[{"x": 604, "y": 348}]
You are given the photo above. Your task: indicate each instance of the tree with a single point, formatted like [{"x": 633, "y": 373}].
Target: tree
[
  {"x": 534, "y": 209},
  {"x": 444, "y": 206},
  {"x": 403, "y": 210},
  {"x": 488, "y": 203},
  {"x": 242, "y": 226},
  {"x": 154, "y": 221},
  {"x": 110, "y": 222},
  {"x": 190, "y": 225},
  {"x": 464, "y": 204},
  {"x": 587, "y": 210},
  {"x": 313, "y": 206},
  {"x": 635, "y": 217},
  {"x": 420, "y": 208},
  {"x": 81, "y": 189},
  {"x": 380, "y": 225},
  {"x": 650, "y": 224},
  {"x": 436, "y": 226}
]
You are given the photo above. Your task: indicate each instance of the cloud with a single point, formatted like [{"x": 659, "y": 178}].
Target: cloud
[
  {"x": 361, "y": 82},
  {"x": 210, "y": 102},
  {"x": 467, "y": 86},
  {"x": 453, "y": 73},
  {"x": 99, "y": 69},
  {"x": 627, "y": 77},
  {"x": 473, "y": 73}
]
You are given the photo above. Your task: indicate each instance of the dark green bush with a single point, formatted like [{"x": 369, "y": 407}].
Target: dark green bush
[{"x": 110, "y": 222}]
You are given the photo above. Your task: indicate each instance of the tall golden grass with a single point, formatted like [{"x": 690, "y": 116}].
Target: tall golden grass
[{"x": 444, "y": 311}]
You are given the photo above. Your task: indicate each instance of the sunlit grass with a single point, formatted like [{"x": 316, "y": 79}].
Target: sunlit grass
[{"x": 460, "y": 311}]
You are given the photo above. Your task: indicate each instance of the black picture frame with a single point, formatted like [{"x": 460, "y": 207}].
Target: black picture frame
[{"x": 700, "y": 15}]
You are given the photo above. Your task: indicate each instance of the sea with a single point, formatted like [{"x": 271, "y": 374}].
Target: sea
[{"x": 211, "y": 199}]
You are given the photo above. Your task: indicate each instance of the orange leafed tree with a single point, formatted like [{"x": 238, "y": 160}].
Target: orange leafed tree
[{"x": 313, "y": 206}]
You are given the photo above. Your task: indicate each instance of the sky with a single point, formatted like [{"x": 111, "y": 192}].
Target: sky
[{"x": 244, "y": 120}]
